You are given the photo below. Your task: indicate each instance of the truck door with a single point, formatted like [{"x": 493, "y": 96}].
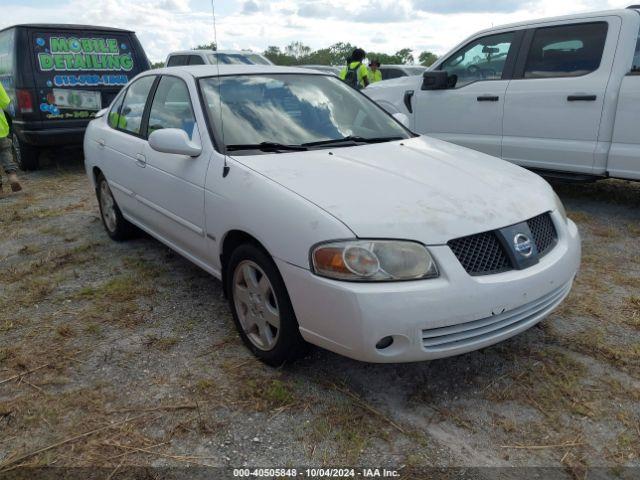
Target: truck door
[
  {"x": 470, "y": 113},
  {"x": 624, "y": 157},
  {"x": 554, "y": 104}
]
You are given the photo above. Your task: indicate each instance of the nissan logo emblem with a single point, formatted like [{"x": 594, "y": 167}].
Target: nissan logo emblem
[{"x": 523, "y": 245}]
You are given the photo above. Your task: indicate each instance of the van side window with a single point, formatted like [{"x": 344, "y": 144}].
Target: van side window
[
  {"x": 482, "y": 59},
  {"x": 566, "y": 51},
  {"x": 195, "y": 60},
  {"x": 130, "y": 117},
  {"x": 178, "y": 60},
  {"x": 171, "y": 107},
  {"x": 6, "y": 52}
]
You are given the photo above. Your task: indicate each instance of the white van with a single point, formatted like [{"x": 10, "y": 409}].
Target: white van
[
  {"x": 213, "y": 57},
  {"x": 560, "y": 95}
]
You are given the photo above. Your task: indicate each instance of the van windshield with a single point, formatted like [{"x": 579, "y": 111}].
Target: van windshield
[{"x": 294, "y": 110}]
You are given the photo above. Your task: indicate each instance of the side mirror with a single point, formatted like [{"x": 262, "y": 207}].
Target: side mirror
[
  {"x": 436, "y": 80},
  {"x": 402, "y": 118},
  {"x": 173, "y": 140}
]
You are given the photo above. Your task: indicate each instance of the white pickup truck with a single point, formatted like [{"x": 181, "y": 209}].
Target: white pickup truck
[{"x": 560, "y": 95}]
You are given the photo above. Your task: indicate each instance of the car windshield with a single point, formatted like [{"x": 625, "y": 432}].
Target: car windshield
[{"x": 294, "y": 109}]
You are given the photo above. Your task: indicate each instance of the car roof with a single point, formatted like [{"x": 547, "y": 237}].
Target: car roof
[
  {"x": 622, "y": 12},
  {"x": 200, "y": 71},
  {"x": 68, "y": 26}
]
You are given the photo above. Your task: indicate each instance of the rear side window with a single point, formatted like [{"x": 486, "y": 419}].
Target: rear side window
[
  {"x": 195, "y": 60},
  {"x": 178, "y": 61},
  {"x": 171, "y": 107},
  {"x": 132, "y": 110},
  {"x": 566, "y": 51},
  {"x": 115, "y": 121},
  {"x": 636, "y": 58}
]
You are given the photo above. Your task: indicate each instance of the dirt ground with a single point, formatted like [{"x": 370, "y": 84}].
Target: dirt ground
[{"x": 120, "y": 354}]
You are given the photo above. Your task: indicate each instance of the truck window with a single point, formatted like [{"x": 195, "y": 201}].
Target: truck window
[
  {"x": 195, "y": 60},
  {"x": 566, "y": 51},
  {"x": 482, "y": 59},
  {"x": 389, "y": 73},
  {"x": 177, "y": 60}
]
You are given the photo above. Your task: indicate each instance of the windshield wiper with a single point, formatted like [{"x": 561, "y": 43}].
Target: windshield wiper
[
  {"x": 351, "y": 139},
  {"x": 267, "y": 147}
]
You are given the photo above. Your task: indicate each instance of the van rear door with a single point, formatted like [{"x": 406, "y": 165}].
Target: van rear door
[{"x": 78, "y": 72}]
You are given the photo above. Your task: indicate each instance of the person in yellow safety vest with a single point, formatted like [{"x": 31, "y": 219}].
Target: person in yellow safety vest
[
  {"x": 375, "y": 75},
  {"x": 355, "y": 73},
  {"x": 6, "y": 157}
]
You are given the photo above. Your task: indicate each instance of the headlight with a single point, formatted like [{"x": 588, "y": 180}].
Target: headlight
[
  {"x": 373, "y": 261},
  {"x": 560, "y": 207}
]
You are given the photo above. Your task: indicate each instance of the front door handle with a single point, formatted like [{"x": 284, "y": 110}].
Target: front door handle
[
  {"x": 141, "y": 160},
  {"x": 408, "y": 95},
  {"x": 101, "y": 142},
  {"x": 488, "y": 98},
  {"x": 581, "y": 98}
]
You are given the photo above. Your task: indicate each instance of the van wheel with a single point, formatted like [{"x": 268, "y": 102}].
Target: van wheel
[
  {"x": 117, "y": 227},
  {"x": 26, "y": 156},
  {"x": 261, "y": 307}
]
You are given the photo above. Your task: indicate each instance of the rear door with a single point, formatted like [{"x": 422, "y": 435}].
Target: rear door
[
  {"x": 78, "y": 72},
  {"x": 554, "y": 103}
]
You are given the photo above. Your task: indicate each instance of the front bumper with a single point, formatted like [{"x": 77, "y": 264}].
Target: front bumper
[{"x": 453, "y": 314}]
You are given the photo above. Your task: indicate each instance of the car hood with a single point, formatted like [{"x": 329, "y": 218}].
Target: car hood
[{"x": 419, "y": 189}]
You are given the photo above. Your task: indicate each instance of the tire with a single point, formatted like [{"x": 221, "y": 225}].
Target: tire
[
  {"x": 117, "y": 227},
  {"x": 257, "y": 298},
  {"x": 26, "y": 156}
]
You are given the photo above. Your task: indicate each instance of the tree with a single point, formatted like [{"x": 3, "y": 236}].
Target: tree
[
  {"x": 207, "y": 46},
  {"x": 427, "y": 59},
  {"x": 405, "y": 56},
  {"x": 297, "y": 50}
]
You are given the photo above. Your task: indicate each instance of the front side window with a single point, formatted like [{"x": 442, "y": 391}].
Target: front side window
[
  {"x": 132, "y": 110},
  {"x": 482, "y": 59},
  {"x": 171, "y": 107},
  {"x": 177, "y": 61},
  {"x": 293, "y": 110},
  {"x": 390, "y": 73},
  {"x": 566, "y": 51}
]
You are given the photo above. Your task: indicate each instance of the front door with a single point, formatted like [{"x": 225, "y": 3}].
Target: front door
[
  {"x": 173, "y": 188},
  {"x": 470, "y": 114},
  {"x": 555, "y": 102}
]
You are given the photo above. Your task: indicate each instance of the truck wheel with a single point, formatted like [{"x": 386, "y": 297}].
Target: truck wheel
[
  {"x": 117, "y": 227},
  {"x": 26, "y": 156},
  {"x": 261, "y": 308}
]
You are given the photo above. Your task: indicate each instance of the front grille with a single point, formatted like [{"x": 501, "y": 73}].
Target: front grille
[
  {"x": 484, "y": 254},
  {"x": 544, "y": 233},
  {"x": 487, "y": 330},
  {"x": 481, "y": 254}
]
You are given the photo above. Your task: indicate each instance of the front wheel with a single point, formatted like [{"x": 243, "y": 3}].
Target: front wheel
[
  {"x": 261, "y": 307},
  {"x": 26, "y": 156},
  {"x": 117, "y": 227}
]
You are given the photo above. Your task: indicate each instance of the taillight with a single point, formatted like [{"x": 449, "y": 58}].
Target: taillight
[{"x": 25, "y": 101}]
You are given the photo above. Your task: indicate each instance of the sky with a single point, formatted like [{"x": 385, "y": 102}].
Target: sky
[{"x": 377, "y": 25}]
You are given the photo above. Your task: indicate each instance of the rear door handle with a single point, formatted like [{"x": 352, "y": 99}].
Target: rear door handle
[
  {"x": 141, "y": 160},
  {"x": 488, "y": 98},
  {"x": 582, "y": 98}
]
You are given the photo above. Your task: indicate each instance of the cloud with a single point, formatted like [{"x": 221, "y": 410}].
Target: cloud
[
  {"x": 174, "y": 5},
  {"x": 473, "y": 6}
]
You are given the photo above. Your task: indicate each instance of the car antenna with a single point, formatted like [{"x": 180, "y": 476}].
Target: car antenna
[{"x": 225, "y": 168}]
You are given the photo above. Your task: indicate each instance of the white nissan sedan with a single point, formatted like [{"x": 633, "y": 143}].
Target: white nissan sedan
[{"x": 328, "y": 221}]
